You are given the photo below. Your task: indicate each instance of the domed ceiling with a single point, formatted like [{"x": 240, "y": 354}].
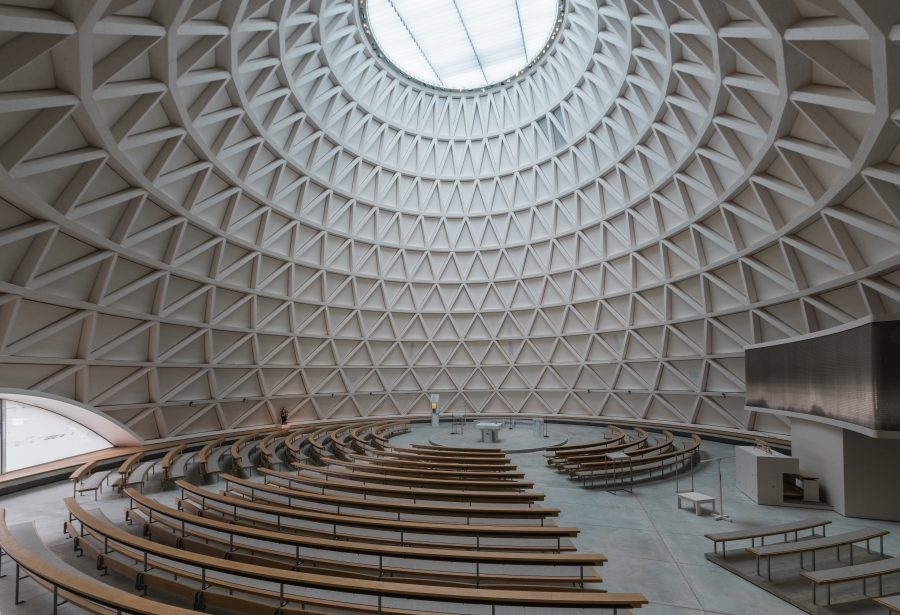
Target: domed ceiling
[{"x": 211, "y": 210}]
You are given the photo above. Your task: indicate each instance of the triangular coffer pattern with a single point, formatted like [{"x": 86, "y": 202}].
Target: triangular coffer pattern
[{"x": 211, "y": 210}]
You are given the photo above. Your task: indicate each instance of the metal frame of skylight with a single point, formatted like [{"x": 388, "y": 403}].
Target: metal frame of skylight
[{"x": 555, "y": 34}]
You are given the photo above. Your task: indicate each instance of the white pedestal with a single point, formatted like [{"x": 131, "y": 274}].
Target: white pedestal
[{"x": 761, "y": 475}]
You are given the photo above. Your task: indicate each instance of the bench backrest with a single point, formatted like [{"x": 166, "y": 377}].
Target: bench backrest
[
  {"x": 206, "y": 450},
  {"x": 128, "y": 465},
  {"x": 83, "y": 471},
  {"x": 169, "y": 457}
]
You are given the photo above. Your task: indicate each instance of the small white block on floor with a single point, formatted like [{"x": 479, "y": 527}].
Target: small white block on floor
[{"x": 697, "y": 499}]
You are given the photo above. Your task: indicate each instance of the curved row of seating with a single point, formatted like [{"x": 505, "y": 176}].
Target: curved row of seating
[
  {"x": 644, "y": 453},
  {"x": 323, "y": 520}
]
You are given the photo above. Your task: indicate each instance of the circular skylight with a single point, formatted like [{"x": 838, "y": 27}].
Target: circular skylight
[{"x": 463, "y": 44}]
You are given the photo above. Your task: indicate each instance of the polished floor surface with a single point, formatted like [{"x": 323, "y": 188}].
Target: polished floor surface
[{"x": 652, "y": 546}]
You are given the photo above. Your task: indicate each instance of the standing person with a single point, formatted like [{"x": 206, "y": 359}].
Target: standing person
[{"x": 284, "y": 417}]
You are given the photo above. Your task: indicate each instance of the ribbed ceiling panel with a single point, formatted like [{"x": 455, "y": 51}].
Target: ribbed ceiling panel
[{"x": 212, "y": 209}]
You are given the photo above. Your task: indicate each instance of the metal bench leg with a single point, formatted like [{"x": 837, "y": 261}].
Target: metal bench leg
[
  {"x": 769, "y": 565},
  {"x": 18, "y": 578},
  {"x": 814, "y": 592},
  {"x": 828, "y": 587}
]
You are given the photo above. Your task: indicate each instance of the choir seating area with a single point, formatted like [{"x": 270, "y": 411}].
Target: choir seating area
[{"x": 331, "y": 520}]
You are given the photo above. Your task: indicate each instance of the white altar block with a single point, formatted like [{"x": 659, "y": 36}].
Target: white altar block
[
  {"x": 760, "y": 475},
  {"x": 489, "y": 430}
]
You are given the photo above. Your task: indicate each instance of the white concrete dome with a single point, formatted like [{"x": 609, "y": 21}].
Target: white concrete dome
[{"x": 212, "y": 210}]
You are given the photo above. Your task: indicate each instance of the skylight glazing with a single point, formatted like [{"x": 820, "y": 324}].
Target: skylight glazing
[{"x": 463, "y": 44}]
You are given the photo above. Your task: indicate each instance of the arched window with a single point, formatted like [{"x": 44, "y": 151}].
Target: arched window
[{"x": 32, "y": 436}]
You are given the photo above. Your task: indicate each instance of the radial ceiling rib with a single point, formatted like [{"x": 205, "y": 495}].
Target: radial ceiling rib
[
  {"x": 521, "y": 32},
  {"x": 418, "y": 46},
  {"x": 469, "y": 38},
  {"x": 252, "y": 212}
]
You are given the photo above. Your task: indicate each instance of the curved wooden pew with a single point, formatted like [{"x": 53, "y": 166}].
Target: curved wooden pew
[
  {"x": 29, "y": 553},
  {"x": 639, "y": 464},
  {"x": 442, "y": 451},
  {"x": 637, "y": 447},
  {"x": 404, "y": 526},
  {"x": 360, "y": 437},
  {"x": 169, "y": 458},
  {"x": 285, "y": 579},
  {"x": 268, "y": 448},
  {"x": 381, "y": 436},
  {"x": 238, "y": 487},
  {"x": 203, "y": 455},
  {"x": 436, "y": 465},
  {"x": 293, "y": 443},
  {"x": 214, "y": 461},
  {"x": 255, "y": 529},
  {"x": 424, "y": 472},
  {"x": 468, "y": 457},
  {"x": 562, "y": 450},
  {"x": 360, "y": 475},
  {"x": 494, "y": 497},
  {"x": 241, "y": 450},
  {"x": 85, "y": 478}
]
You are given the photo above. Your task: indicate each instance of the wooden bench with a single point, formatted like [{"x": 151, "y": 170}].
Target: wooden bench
[
  {"x": 470, "y": 458},
  {"x": 213, "y": 464},
  {"x": 407, "y": 526},
  {"x": 638, "y": 449},
  {"x": 444, "y": 451},
  {"x": 563, "y": 450},
  {"x": 285, "y": 579},
  {"x": 638, "y": 463},
  {"x": 892, "y": 604},
  {"x": 577, "y": 459},
  {"x": 381, "y": 435},
  {"x": 859, "y": 572},
  {"x": 360, "y": 435},
  {"x": 203, "y": 455},
  {"x": 434, "y": 465},
  {"x": 268, "y": 448},
  {"x": 293, "y": 443},
  {"x": 169, "y": 458},
  {"x": 495, "y": 497},
  {"x": 241, "y": 450},
  {"x": 359, "y": 475},
  {"x": 815, "y": 544},
  {"x": 251, "y": 491},
  {"x": 178, "y": 469},
  {"x": 763, "y": 532},
  {"x": 227, "y": 533},
  {"x": 86, "y": 478},
  {"x": 137, "y": 476},
  {"x": 125, "y": 469},
  {"x": 23, "y": 545},
  {"x": 424, "y": 472}
]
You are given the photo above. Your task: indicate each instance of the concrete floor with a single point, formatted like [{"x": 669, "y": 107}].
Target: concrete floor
[{"x": 652, "y": 546}]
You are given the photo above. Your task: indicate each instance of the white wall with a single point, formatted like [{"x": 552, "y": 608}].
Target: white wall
[
  {"x": 858, "y": 475},
  {"x": 820, "y": 448}
]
